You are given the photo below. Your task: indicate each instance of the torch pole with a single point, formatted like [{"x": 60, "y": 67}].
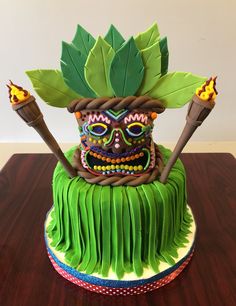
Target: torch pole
[
  {"x": 31, "y": 114},
  {"x": 197, "y": 112}
]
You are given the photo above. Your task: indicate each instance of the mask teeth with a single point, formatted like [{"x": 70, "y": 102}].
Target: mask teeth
[
  {"x": 124, "y": 169},
  {"x": 83, "y": 159},
  {"x": 152, "y": 162}
]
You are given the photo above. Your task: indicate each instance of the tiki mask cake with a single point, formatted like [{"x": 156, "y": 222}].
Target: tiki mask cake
[
  {"x": 120, "y": 223},
  {"x": 117, "y": 144}
]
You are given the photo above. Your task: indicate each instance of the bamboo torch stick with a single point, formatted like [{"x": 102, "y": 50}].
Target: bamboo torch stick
[
  {"x": 26, "y": 107},
  {"x": 200, "y": 107}
]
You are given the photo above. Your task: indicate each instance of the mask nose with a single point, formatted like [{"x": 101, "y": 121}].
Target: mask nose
[{"x": 117, "y": 142}]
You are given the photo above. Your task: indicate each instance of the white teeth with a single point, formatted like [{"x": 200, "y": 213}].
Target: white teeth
[
  {"x": 83, "y": 160},
  {"x": 107, "y": 172},
  {"x": 118, "y": 171}
]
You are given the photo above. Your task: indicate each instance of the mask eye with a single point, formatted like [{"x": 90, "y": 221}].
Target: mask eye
[
  {"x": 98, "y": 129},
  {"x": 135, "y": 129}
]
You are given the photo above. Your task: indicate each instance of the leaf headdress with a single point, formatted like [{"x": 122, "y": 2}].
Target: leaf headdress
[{"x": 111, "y": 67}]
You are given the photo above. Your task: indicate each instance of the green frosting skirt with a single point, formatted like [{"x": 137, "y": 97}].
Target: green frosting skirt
[{"x": 123, "y": 228}]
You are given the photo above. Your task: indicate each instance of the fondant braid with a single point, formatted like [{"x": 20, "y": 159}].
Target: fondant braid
[
  {"x": 116, "y": 180},
  {"x": 117, "y": 103}
]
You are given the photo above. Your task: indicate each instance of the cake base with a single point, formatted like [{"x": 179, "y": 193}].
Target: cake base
[
  {"x": 151, "y": 284},
  {"x": 135, "y": 285}
]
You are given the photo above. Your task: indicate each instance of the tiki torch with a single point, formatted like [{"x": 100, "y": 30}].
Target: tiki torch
[
  {"x": 26, "y": 107},
  {"x": 200, "y": 107}
]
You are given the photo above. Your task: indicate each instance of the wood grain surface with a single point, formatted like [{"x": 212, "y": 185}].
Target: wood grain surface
[{"x": 27, "y": 278}]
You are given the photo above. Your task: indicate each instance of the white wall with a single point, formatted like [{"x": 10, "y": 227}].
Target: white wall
[{"x": 201, "y": 36}]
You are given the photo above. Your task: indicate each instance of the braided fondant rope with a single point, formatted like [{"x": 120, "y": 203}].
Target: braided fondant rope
[
  {"x": 116, "y": 180},
  {"x": 117, "y": 103}
]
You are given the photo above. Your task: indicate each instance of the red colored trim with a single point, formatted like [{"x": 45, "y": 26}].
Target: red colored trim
[{"x": 121, "y": 291}]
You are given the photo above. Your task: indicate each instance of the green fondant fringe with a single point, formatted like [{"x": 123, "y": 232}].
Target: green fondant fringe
[{"x": 125, "y": 228}]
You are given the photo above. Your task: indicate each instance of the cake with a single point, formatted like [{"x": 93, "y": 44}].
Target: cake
[{"x": 120, "y": 223}]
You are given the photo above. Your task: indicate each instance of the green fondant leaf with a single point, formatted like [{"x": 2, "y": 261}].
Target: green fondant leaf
[
  {"x": 152, "y": 64},
  {"x": 114, "y": 38},
  {"x": 83, "y": 40},
  {"x": 72, "y": 66},
  {"x": 146, "y": 39},
  {"x": 127, "y": 70},
  {"x": 97, "y": 68},
  {"x": 50, "y": 86},
  {"x": 176, "y": 89},
  {"x": 164, "y": 55}
]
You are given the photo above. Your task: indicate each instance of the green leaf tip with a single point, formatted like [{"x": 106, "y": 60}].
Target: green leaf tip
[
  {"x": 114, "y": 38},
  {"x": 126, "y": 73},
  {"x": 176, "y": 89},
  {"x": 50, "y": 86},
  {"x": 164, "y": 55},
  {"x": 83, "y": 40},
  {"x": 148, "y": 38},
  {"x": 97, "y": 67},
  {"x": 72, "y": 66},
  {"x": 152, "y": 63}
]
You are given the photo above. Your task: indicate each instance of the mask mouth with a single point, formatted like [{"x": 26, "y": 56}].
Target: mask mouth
[{"x": 135, "y": 164}]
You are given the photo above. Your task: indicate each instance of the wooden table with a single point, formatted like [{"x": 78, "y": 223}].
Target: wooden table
[{"x": 27, "y": 276}]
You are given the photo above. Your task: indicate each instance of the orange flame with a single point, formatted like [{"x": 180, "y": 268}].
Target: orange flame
[
  {"x": 207, "y": 92},
  {"x": 17, "y": 94}
]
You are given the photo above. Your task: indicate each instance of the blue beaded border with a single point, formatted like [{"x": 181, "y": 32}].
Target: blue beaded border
[{"x": 116, "y": 283}]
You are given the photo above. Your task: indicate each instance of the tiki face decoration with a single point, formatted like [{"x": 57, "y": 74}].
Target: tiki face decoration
[{"x": 117, "y": 142}]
